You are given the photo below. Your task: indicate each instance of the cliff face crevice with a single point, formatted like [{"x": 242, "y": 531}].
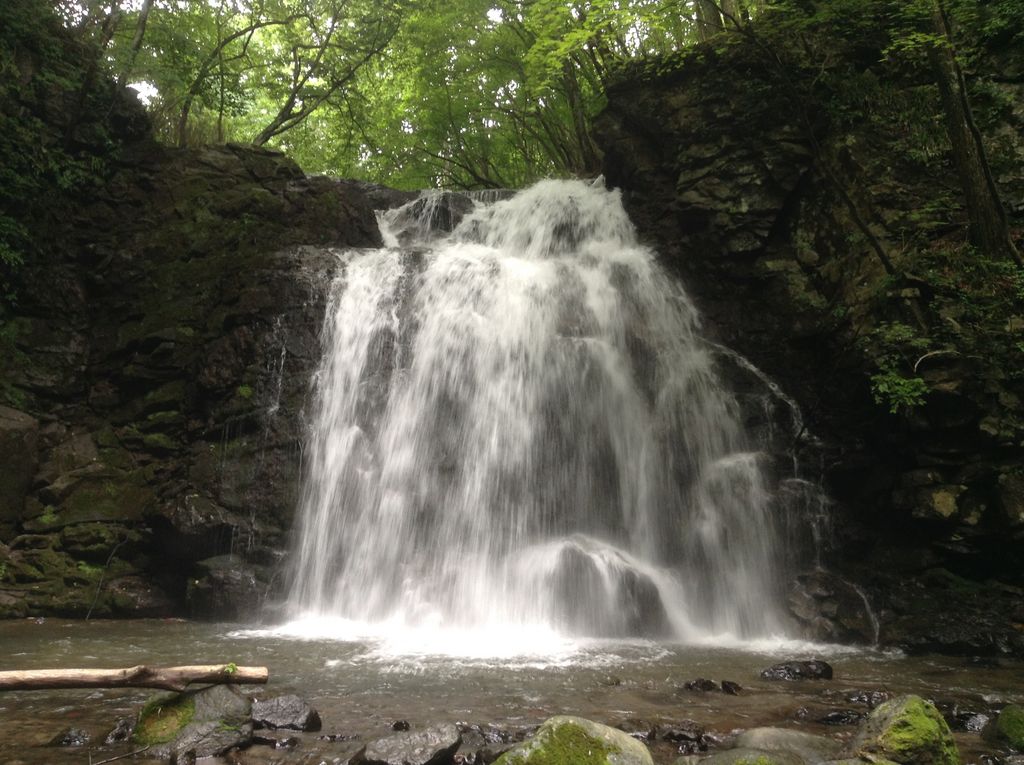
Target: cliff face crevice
[{"x": 773, "y": 217}]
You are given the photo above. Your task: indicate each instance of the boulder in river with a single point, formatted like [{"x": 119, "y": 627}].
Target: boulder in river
[
  {"x": 816, "y": 669},
  {"x": 206, "y": 722},
  {"x": 433, "y": 746},
  {"x": 745, "y": 756},
  {"x": 1008, "y": 727},
  {"x": 908, "y": 730},
  {"x": 285, "y": 712},
  {"x": 567, "y": 740},
  {"x": 781, "y": 740}
]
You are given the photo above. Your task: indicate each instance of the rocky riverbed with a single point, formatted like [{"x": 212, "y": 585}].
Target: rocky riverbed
[{"x": 671, "y": 696}]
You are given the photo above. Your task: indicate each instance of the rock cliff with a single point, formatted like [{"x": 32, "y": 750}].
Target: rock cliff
[
  {"x": 773, "y": 211},
  {"x": 158, "y": 358}
]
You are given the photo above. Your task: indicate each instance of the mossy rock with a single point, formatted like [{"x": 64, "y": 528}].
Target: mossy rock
[
  {"x": 576, "y": 741},
  {"x": 208, "y": 722},
  {"x": 906, "y": 730},
  {"x": 162, "y": 717},
  {"x": 1008, "y": 727}
]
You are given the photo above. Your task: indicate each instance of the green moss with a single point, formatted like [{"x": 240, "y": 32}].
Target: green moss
[
  {"x": 49, "y": 516},
  {"x": 244, "y": 391},
  {"x": 89, "y": 570},
  {"x": 917, "y": 734},
  {"x": 566, "y": 743},
  {"x": 159, "y": 442},
  {"x": 162, "y": 717},
  {"x": 1009, "y": 726}
]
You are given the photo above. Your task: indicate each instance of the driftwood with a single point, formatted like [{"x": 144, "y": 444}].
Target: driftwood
[{"x": 166, "y": 678}]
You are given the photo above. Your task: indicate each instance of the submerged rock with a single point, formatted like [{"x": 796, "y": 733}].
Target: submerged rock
[
  {"x": 203, "y": 723},
  {"x": 433, "y": 746},
  {"x": 285, "y": 712},
  {"x": 70, "y": 737},
  {"x": 908, "y": 730},
  {"x": 567, "y": 740},
  {"x": 783, "y": 741},
  {"x": 799, "y": 670}
]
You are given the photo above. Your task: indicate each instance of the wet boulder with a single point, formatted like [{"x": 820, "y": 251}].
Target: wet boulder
[
  {"x": 285, "y": 712},
  {"x": 122, "y": 731},
  {"x": 70, "y": 737},
  {"x": 783, "y": 741},
  {"x": 908, "y": 730},
  {"x": 799, "y": 670},
  {"x": 567, "y": 740},
  {"x": 433, "y": 746},
  {"x": 1007, "y": 728},
  {"x": 203, "y": 723}
]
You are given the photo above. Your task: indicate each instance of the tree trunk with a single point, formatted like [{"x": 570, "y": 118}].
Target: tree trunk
[
  {"x": 140, "y": 33},
  {"x": 990, "y": 231},
  {"x": 166, "y": 678},
  {"x": 709, "y": 20}
]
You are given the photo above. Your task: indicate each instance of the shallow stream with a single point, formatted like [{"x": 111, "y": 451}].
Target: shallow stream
[{"x": 361, "y": 687}]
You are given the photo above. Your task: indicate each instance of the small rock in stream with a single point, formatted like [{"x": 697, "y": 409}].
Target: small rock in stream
[
  {"x": 285, "y": 712},
  {"x": 841, "y": 717},
  {"x": 731, "y": 688},
  {"x": 641, "y": 730},
  {"x": 433, "y": 745},
  {"x": 700, "y": 684},
  {"x": 122, "y": 731},
  {"x": 70, "y": 737},
  {"x": 400, "y": 725},
  {"x": 816, "y": 669}
]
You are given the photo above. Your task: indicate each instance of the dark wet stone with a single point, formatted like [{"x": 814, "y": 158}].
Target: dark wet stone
[
  {"x": 869, "y": 698},
  {"x": 799, "y": 670},
  {"x": 685, "y": 730},
  {"x": 285, "y": 712},
  {"x": 337, "y": 737},
  {"x": 841, "y": 717},
  {"x": 70, "y": 737},
  {"x": 122, "y": 731},
  {"x": 642, "y": 730},
  {"x": 731, "y": 688},
  {"x": 433, "y": 746},
  {"x": 400, "y": 725},
  {"x": 700, "y": 684},
  {"x": 288, "y": 742}
]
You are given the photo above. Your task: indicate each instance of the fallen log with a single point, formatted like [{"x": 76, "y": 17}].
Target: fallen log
[{"x": 165, "y": 678}]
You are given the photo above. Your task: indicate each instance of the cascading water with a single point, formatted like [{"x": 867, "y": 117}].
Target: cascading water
[{"x": 517, "y": 425}]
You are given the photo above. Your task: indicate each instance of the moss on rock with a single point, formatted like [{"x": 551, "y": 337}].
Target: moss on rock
[
  {"x": 907, "y": 730},
  {"x": 1008, "y": 728},
  {"x": 576, "y": 741},
  {"x": 162, "y": 717}
]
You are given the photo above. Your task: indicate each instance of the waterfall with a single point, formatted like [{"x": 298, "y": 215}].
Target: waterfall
[{"x": 517, "y": 424}]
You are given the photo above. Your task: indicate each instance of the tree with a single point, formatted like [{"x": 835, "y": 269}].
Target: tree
[{"x": 989, "y": 229}]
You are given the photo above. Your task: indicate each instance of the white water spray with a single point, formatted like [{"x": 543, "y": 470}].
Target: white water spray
[{"x": 518, "y": 429}]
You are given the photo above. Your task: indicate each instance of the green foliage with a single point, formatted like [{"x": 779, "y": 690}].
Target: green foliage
[
  {"x": 894, "y": 348},
  {"x": 230, "y": 668},
  {"x": 898, "y": 393}
]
